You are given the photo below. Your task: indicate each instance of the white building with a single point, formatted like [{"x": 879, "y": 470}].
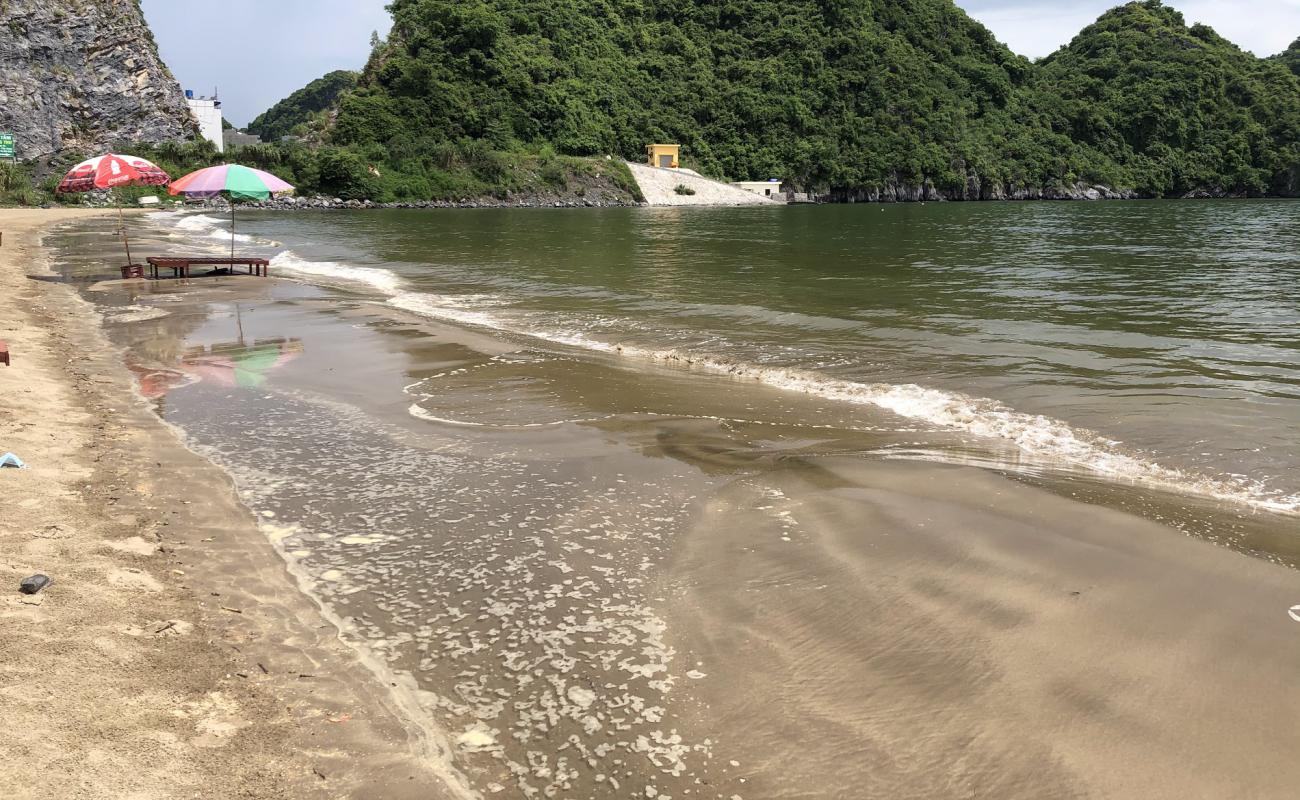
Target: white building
[
  {"x": 770, "y": 188},
  {"x": 207, "y": 112}
]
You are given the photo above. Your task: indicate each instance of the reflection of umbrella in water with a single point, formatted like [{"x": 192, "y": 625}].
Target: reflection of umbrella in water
[
  {"x": 155, "y": 382},
  {"x": 240, "y": 364}
]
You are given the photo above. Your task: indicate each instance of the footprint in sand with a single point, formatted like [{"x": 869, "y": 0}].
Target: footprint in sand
[
  {"x": 135, "y": 544},
  {"x": 134, "y": 579}
]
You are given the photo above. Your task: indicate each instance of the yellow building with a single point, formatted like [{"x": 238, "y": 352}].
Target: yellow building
[{"x": 663, "y": 155}]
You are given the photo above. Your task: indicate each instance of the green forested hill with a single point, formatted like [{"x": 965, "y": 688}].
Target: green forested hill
[
  {"x": 851, "y": 93},
  {"x": 906, "y": 98},
  {"x": 1291, "y": 57},
  {"x": 1168, "y": 109},
  {"x": 302, "y": 106}
]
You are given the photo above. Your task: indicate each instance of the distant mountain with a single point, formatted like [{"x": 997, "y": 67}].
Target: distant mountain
[
  {"x": 300, "y": 107},
  {"x": 83, "y": 79},
  {"x": 1167, "y": 109}
]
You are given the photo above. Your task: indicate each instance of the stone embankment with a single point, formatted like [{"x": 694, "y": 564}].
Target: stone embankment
[
  {"x": 659, "y": 186},
  {"x": 320, "y": 202},
  {"x": 520, "y": 201}
]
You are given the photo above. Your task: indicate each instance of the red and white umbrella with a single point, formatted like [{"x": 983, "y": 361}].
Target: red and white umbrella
[{"x": 110, "y": 170}]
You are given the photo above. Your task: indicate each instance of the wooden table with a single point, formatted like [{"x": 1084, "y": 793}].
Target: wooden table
[{"x": 180, "y": 267}]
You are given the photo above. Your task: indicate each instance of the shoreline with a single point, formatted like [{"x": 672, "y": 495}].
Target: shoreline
[
  {"x": 173, "y": 649},
  {"x": 540, "y": 204}
]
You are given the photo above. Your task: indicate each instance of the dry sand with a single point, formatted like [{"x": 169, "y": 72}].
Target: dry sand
[{"x": 172, "y": 656}]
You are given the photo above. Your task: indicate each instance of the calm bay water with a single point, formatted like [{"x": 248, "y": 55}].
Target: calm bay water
[
  {"x": 1170, "y": 330},
  {"x": 713, "y": 503}
]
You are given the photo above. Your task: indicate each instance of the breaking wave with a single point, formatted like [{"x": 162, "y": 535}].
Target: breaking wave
[
  {"x": 1038, "y": 436},
  {"x": 383, "y": 280},
  {"x": 212, "y": 227}
]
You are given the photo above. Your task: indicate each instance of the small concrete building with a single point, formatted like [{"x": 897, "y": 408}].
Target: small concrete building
[
  {"x": 663, "y": 156},
  {"x": 770, "y": 188},
  {"x": 234, "y": 138},
  {"x": 207, "y": 112}
]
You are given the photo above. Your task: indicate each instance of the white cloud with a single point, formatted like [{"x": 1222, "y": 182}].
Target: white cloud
[{"x": 1037, "y": 28}]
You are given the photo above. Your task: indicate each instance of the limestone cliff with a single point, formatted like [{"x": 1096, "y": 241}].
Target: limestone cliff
[{"x": 83, "y": 74}]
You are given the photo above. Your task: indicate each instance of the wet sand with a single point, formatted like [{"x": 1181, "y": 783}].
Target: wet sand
[
  {"x": 173, "y": 655},
  {"x": 611, "y": 581},
  {"x": 942, "y": 632}
]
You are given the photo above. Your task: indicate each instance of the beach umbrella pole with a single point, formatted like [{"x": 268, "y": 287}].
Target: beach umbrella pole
[
  {"x": 126, "y": 242},
  {"x": 232, "y": 229}
]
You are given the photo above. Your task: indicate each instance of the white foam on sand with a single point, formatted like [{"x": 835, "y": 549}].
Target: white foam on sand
[{"x": 449, "y": 309}]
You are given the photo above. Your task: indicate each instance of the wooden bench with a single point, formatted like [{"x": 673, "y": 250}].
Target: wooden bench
[
  {"x": 4, "y": 352},
  {"x": 180, "y": 267}
]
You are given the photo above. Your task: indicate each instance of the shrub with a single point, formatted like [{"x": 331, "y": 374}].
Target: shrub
[
  {"x": 344, "y": 174},
  {"x": 682, "y": 188}
]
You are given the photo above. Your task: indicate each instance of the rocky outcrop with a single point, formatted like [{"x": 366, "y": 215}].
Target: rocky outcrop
[
  {"x": 1287, "y": 183},
  {"x": 897, "y": 191},
  {"x": 83, "y": 74}
]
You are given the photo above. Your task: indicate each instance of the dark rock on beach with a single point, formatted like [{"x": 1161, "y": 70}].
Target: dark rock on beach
[{"x": 33, "y": 584}]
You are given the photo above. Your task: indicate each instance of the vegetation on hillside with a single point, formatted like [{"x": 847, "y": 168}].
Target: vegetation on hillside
[
  {"x": 1291, "y": 57},
  {"x": 856, "y": 93},
  {"x": 846, "y": 93},
  {"x": 468, "y": 171},
  {"x": 304, "y": 110}
]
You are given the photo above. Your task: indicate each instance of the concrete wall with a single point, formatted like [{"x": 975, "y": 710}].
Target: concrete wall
[
  {"x": 208, "y": 114},
  {"x": 764, "y": 188}
]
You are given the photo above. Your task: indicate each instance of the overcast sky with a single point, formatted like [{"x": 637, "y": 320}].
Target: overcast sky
[{"x": 258, "y": 51}]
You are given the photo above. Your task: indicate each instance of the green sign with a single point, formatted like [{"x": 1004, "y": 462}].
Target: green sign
[{"x": 7, "y": 145}]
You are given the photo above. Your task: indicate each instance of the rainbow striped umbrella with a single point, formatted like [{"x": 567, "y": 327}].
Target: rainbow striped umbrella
[{"x": 235, "y": 180}]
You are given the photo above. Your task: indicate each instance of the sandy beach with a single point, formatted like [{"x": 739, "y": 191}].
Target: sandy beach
[{"x": 173, "y": 655}]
